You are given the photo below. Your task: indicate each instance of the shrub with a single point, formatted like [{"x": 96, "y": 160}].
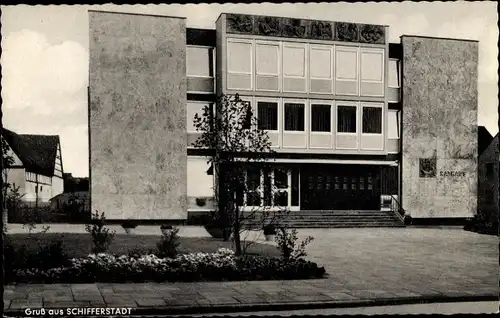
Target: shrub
[
  {"x": 167, "y": 247},
  {"x": 101, "y": 236},
  {"x": 47, "y": 256},
  {"x": 219, "y": 266},
  {"x": 269, "y": 229},
  {"x": 287, "y": 244},
  {"x": 129, "y": 224}
]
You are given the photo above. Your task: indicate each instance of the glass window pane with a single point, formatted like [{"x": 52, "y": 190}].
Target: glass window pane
[
  {"x": 321, "y": 63},
  {"x": 253, "y": 179},
  {"x": 295, "y": 187},
  {"x": 347, "y": 65},
  {"x": 294, "y": 61},
  {"x": 191, "y": 110},
  {"x": 372, "y": 120},
  {"x": 281, "y": 199},
  {"x": 267, "y": 115},
  {"x": 198, "y": 61},
  {"x": 267, "y": 61},
  {"x": 321, "y": 118},
  {"x": 392, "y": 124},
  {"x": 239, "y": 57},
  {"x": 281, "y": 178},
  {"x": 346, "y": 119},
  {"x": 372, "y": 65},
  {"x": 294, "y": 117},
  {"x": 393, "y": 74}
]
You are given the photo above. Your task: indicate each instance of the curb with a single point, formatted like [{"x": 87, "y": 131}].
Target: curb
[{"x": 253, "y": 307}]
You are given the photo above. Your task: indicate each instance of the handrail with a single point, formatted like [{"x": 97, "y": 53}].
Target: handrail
[{"x": 397, "y": 208}]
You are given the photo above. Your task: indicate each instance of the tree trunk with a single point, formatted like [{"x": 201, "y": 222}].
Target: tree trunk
[{"x": 236, "y": 231}]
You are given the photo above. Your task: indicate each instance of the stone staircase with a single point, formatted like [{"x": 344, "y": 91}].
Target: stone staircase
[{"x": 337, "y": 219}]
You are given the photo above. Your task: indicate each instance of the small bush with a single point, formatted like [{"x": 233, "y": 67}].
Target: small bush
[
  {"x": 101, "y": 236},
  {"x": 220, "y": 266},
  {"x": 129, "y": 224},
  {"x": 47, "y": 256},
  {"x": 269, "y": 230},
  {"x": 166, "y": 227},
  {"x": 287, "y": 244},
  {"x": 169, "y": 243}
]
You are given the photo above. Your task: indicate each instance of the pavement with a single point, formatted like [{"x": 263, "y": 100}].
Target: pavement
[{"x": 367, "y": 267}]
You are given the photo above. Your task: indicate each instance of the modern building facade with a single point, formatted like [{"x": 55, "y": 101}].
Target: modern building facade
[{"x": 355, "y": 121}]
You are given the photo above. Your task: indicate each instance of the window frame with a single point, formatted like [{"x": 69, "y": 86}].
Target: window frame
[
  {"x": 295, "y": 101},
  {"x": 323, "y": 103},
  {"x": 330, "y": 48},
  {"x": 364, "y": 105},
  {"x": 211, "y": 52},
  {"x": 260, "y": 189},
  {"x": 269, "y": 100},
  {"x": 348, "y": 104},
  {"x": 284, "y": 46},
  {"x": 370, "y": 50},
  {"x": 278, "y": 44},
  {"x": 210, "y": 104},
  {"x": 398, "y": 124},
  {"x": 398, "y": 72},
  {"x": 357, "y": 80},
  {"x": 252, "y": 63}
]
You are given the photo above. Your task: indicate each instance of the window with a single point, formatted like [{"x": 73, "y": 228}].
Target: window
[
  {"x": 191, "y": 110},
  {"x": 393, "y": 124},
  {"x": 372, "y": 65},
  {"x": 320, "y": 117},
  {"x": 267, "y": 59},
  {"x": 253, "y": 187},
  {"x": 294, "y": 117},
  {"x": 372, "y": 120},
  {"x": 267, "y": 115},
  {"x": 267, "y": 66},
  {"x": 294, "y": 67},
  {"x": 239, "y": 64},
  {"x": 321, "y": 62},
  {"x": 346, "y": 119},
  {"x": 199, "y": 61},
  {"x": 394, "y": 73}
]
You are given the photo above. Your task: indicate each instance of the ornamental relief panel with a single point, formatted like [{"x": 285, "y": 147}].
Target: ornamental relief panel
[
  {"x": 239, "y": 23},
  {"x": 346, "y": 32},
  {"x": 304, "y": 29}
]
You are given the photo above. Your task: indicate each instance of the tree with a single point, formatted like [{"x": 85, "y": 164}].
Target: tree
[
  {"x": 7, "y": 161},
  {"x": 238, "y": 146}
]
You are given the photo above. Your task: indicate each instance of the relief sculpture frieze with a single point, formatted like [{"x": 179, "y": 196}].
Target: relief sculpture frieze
[
  {"x": 294, "y": 28},
  {"x": 369, "y": 33},
  {"x": 321, "y": 30},
  {"x": 269, "y": 26},
  {"x": 346, "y": 32},
  {"x": 240, "y": 23},
  {"x": 304, "y": 29}
]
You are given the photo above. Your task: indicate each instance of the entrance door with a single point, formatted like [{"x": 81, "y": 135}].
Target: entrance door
[{"x": 340, "y": 187}]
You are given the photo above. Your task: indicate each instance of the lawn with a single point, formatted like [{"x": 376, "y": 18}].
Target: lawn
[{"x": 79, "y": 244}]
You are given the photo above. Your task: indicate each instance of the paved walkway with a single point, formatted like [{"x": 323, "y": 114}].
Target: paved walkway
[{"x": 365, "y": 266}]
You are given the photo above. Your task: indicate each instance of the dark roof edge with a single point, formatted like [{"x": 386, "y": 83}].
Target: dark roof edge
[{"x": 141, "y": 14}]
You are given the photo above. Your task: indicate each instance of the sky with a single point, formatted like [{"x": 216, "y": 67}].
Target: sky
[{"x": 45, "y": 55}]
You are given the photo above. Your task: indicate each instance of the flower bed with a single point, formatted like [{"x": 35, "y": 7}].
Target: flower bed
[{"x": 219, "y": 266}]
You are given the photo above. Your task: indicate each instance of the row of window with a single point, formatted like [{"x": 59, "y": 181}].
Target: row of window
[
  {"x": 320, "y": 114},
  {"x": 291, "y": 61},
  {"x": 298, "y": 67}
]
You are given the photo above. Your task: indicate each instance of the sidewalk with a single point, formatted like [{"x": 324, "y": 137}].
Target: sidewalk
[{"x": 219, "y": 297}]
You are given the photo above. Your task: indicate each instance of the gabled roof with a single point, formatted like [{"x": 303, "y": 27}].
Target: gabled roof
[
  {"x": 36, "y": 152},
  {"x": 484, "y": 139}
]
